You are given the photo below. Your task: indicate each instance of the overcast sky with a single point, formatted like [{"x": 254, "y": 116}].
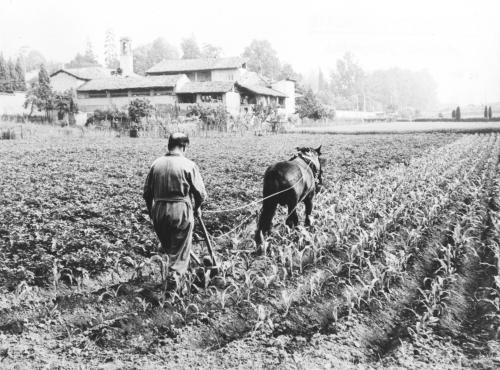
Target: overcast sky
[{"x": 458, "y": 42}]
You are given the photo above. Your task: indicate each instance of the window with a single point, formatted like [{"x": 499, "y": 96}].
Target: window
[
  {"x": 163, "y": 92},
  {"x": 141, "y": 92},
  {"x": 82, "y": 95},
  {"x": 211, "y": 98},
  {"x": 118, "y": 94},
  {"x": 187, "y": 98},
  {"x": 98, "y": 94},
  {"x": 203, "y": 76}
]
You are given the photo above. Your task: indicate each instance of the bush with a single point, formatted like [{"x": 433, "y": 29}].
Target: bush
[
  {"x": 8, "y": 134},
  {"x": 309, "y": 106},
  {"x": 139, "y": 108},
  {"x": 212, "y": 117},
  {"x": 117, "y": 119}
]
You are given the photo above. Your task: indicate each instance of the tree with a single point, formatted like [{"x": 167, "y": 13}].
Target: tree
[
  {"x": 89, "y": 53},
  {"x": 262, "y": 58},
  {"x": 453, "y": 114},
  {"x": 190, "y": 48},
  {"x": 210, "y": 51},
  {"x": 401, "y": 88},
  {"x": 458, "y": 115},
  {"x": 3, "y": 69},
  {"x": 490, "y": 113},
  {"x": 110, "y": 53},
  {"x": 80, "y": 61},
  {"x": 88, "y": 59},
  {"x": 146, "y": 56},
  {"x": 41, "y": 95},
  {"x": 32, "y": 60},
  {"x": 485, "y": 114},
  {"x": 348, "y": 81},
  {"x": 287, "y": 72},
  {"x": 20, "y": 76},
  {"x": 310, "y": 107},
  {"x": 65, "y": 104},
  {"x": 322, "y": 83},
  {"x": 139, "y": 108}
]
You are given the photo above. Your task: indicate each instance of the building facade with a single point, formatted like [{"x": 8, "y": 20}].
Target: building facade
[
  {"x": 184, "y": 82},
  {"x": 72, "y": 78}
]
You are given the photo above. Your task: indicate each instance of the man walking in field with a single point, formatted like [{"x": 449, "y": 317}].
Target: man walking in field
[{"x": 171, "y": 181}]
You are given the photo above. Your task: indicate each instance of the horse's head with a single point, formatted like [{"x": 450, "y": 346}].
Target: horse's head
[{"x": 317, "y": 162}]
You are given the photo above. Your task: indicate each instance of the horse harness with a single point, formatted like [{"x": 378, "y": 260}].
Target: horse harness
[{"x": 313, "y": 165}]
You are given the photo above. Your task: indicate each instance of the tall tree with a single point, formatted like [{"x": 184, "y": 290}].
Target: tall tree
[
  {"x": 322, "y": 83},
  {"x": 490, "y": 113},
  {"x": 485, "y": 114},
  {"x": 190, "y": 48},
  {"x": 3, "y": 69},
  {"x": 348, "y": 80},
  {"x": 20, "y": 76},
  {"x": 401, "y": 88},
  {"x": 287, "y": 71},
  {"x": 110, "y": 50},
  {"x": 262, "y": 58},
  {"x": 458, "y": 114},
  {"x": 33, "y": 59},
  {"x": 40, "y": 95},
  {"x": 211, "y": 51},
  {"x": 89, "y": 53},
  {"x": 148, "y": 55}
]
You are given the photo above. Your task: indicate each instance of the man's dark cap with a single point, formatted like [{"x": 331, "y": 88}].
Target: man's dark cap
[{"x": 177, "y": 139}]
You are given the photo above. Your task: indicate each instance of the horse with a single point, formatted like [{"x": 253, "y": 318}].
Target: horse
[{"x": 291, "y": 182}]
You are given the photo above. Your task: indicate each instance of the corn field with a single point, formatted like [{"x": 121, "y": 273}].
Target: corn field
[{"x": 400, "y": 268}]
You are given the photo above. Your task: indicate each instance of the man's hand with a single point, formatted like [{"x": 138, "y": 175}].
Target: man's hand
[{"x": 197, "y": 212}]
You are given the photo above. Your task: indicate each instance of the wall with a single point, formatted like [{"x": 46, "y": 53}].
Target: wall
[
  {"x": 13, "y": 103},
  {"x": 63, "y": 81},
  {"x": 225, "y": 74},
  {"x": 232, "y": 102},
  {"x": 91, "y": 104},
  {"x": 288, "y": 88}
]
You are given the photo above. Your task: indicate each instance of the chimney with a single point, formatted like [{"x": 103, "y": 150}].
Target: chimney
[{"x": 126, "y": 57}]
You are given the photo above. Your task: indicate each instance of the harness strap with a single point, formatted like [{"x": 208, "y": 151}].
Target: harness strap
[{"x": 311, "y": 165}]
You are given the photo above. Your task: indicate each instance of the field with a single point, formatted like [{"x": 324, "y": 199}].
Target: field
[
  {"x": 398, "y": 127},
  {"x": 400, "y": 269}
]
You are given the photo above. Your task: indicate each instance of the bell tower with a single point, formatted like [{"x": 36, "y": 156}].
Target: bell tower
[{"x": 126, "y": 57}]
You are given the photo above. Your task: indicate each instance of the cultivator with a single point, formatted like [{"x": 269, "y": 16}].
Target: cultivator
[{"x": 207, "y": 263}]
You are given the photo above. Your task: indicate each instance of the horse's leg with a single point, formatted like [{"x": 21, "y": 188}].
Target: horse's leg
[
  {"x": 265, "y": 220},
  {"x": 308, "y": 202},
  {"x": 293, "y": 219}
]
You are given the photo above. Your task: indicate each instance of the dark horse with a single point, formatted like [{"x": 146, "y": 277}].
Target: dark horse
[{"x": 293, "y": 181}]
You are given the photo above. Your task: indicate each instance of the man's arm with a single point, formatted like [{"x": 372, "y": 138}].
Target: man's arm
[
  {"x": 148, "y": 191},
  {"x": 197, "y": 188}
]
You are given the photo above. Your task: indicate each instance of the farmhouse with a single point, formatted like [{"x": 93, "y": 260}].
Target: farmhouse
[
  {"x": 184, "y": 82},
  {"x": 208, "y": 74},
  {"x": 72, "y": 78},
  {"x": 118, "y": 91}
]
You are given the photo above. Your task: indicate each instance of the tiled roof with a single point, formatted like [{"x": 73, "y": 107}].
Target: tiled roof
[
  {"x": 122, "y": 83},
  {"x": 262, "y": 90},
  {"x": 202, "y": 64},
  {"x": 85, "y": 73},
  {"x": 205, "y": 87},
  {"x": 253, "y": 78}
]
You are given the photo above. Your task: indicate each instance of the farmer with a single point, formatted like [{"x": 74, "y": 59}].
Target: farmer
[{"x": 171, "y": 181}]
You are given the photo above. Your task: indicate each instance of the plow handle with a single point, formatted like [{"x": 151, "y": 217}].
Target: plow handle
[{"x": 209, "y": 242}]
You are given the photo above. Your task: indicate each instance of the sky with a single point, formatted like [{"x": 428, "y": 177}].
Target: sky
[{"x": 458, "y": 42}]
